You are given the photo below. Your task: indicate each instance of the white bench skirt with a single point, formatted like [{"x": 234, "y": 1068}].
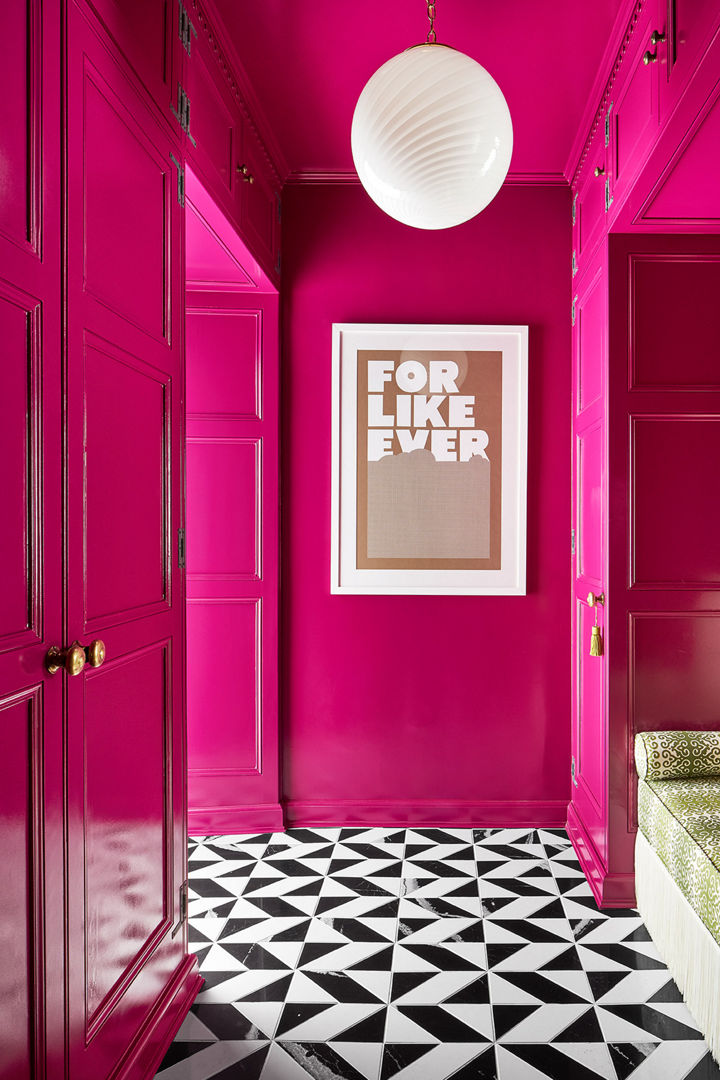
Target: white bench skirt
[{"x": 686, "y": 945}]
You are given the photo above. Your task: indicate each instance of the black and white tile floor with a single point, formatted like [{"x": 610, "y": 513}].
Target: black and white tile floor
[{"x": 421, "y": 954}]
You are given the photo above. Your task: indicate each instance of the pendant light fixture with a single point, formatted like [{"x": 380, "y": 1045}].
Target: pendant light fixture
[{"x": 431, "y": 135}]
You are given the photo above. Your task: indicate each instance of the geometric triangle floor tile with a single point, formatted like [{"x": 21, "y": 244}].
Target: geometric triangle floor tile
[{"x": 421, "y": 954}]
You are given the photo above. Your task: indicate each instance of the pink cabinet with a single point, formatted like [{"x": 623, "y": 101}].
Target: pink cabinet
[
  {"x": 226, "y": 152},
  {"x": 215, "y": 128},
  {"x": 31, "y": 779},
  {"x": 589, "y": 201},
  {"x": 589, "y": 558},
  {"x": 647, "y": 437},
  {"x": 127, "y": 962},
  {"x": 232, "y": 562},
  {"x": 258, "y": 201}
]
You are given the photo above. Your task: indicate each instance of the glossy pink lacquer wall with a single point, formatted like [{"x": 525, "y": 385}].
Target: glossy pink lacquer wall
[{"x": 424, "y": 708}]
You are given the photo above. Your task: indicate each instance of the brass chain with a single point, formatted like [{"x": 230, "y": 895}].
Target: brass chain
[{"x": 431, "y": 35}]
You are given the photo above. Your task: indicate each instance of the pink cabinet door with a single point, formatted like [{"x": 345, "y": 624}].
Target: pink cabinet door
[
  {"x": 125, "y": 827},
  {"x": 590, "y": 205},
  {"x": 259, "y": 203},
  {"x": 31, "y": 837},
  {"x": 589, "y": 792},
  {"x": 215, "y": 122},
  {"x": 232, "y": 562}
]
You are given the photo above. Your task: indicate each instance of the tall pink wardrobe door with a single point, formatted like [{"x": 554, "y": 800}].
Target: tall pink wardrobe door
[
  {"x": 31, "y": 1002},
  {"x": 125, "y": 605}
]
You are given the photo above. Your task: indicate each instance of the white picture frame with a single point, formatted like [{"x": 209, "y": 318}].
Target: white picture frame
[{"x": 355, "y": 569}]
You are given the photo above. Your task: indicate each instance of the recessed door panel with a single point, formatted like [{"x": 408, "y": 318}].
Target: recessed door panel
[
  {"x": 676, "y": 517},
  {"x": 591, "y": 337},
  {"x": 227, "y": 723},
  {"x": 590, "y": 471},
  {"x": 20, "y": 596},
  {"x": 675, "y": 670},
  {"x": 20, "y": 777},
  {"x": 19, "y": 130},
  {"x": 127, "y": 192},
  {"x": 126, "y": 461},
  {"x": 673, "y": 347},
  {"x": 224, "y": 488},
  {"x": 126, "y": 816},
  {"x": 224, "y": 363}
]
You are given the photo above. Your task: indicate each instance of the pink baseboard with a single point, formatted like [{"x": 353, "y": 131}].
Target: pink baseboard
[
  {"x": 451, "y": 814},
  {"x": 229, "y": 820},
  {"x": 611, "y": 890}
]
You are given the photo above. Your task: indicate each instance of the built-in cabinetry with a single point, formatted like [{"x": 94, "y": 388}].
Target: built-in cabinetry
[
  {"x": 92, "y": 667},
  {"x": 646, "y": 410}
]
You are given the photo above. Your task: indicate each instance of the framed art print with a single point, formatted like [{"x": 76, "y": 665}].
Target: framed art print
[{"x": 429, "y": 459}]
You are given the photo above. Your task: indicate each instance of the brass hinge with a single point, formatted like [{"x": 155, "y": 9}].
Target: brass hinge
[
  {"x": 572, "y": 541},
  {"x": 186, "y": 29},
  {"x": 574, "y": 264},
  {"x": 574, "y": 207},
  {"x": 182, "y": 907},
  {"x": 180, "y": 180},
  {"x": 573, "y": 308},
  {"x": 608, "y": 196},
  {"x": 607, "y": 124},
  {"x": 278, "y": 263},
  {"x": 279, "y": 208},
  {"x": 181, "y": 548},
  {"x": 573, "y": 771}
]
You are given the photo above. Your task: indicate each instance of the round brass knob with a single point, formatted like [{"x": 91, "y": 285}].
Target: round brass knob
[
  {"x": 72, "y": 659},
  {"x": 595, "y": 598},
  {"x": 599, "y": 170},
  {"x": 95, "y": 653}
]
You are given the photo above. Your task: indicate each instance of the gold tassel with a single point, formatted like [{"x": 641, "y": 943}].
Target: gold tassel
[{"x": 596, "y": 642}]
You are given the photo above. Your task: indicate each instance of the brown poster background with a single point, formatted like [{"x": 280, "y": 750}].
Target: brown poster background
[{"x": 458, "y": 523}]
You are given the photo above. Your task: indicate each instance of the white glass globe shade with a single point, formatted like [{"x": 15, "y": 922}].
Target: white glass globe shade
[{"x": 431, "y": 137}]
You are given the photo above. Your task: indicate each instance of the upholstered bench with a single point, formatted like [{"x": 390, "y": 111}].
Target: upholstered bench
[{"x": 677, "y": 863}]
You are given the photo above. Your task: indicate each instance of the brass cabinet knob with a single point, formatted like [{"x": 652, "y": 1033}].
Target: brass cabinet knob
[
  {"x": 95, "y": 653},
  {"x": 656, "y": 37},
  {"x": 595, "y": 598},
  {"x": 245, "y": 173},
  {"x": 72, "y": 659},
  {"x": 599, "y": 170}
]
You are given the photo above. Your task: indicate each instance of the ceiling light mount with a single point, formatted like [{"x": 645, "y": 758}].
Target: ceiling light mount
[{"x": 431, "y": 135}]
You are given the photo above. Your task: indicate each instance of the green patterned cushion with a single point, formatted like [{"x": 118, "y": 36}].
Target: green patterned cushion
[
  {"x": 673, "y": 755},
  {"x": 681, "y": 819}
]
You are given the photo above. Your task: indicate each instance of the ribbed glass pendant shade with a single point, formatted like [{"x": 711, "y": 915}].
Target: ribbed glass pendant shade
[{"x": 431, "y": 137}]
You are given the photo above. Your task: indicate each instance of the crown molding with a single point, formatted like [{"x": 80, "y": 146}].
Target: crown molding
[{"x": 306, "y": 177}]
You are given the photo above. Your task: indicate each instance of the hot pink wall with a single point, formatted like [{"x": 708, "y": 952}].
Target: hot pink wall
[{"x": 424, "y": 709}]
